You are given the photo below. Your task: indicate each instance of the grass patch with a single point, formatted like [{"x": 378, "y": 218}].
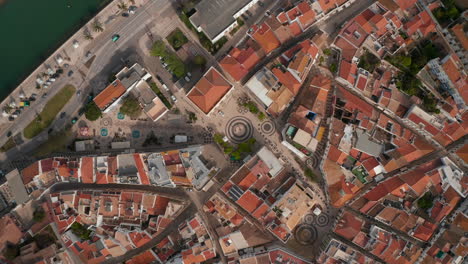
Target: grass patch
[
  {"x": 204, "y": 40},
  {"x": 8, "y": 145},
  {"x": 56, "y": 143},
  {"x": 177, "y": 39},
  {"x": 50, "y": 111},
  {"x": 360, "y": 174},
  {"x": 161, "y": 96}
]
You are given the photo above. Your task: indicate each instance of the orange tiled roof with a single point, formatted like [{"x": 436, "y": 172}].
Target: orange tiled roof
[
  {"x": 209, "y": 90},
  {"x": 87, "y": 171},
  {"x": 29, "y": 172},
  {"x": 461, "y": 35},
  {"x": 249, "y": 201},
  {"x": 233, "y": 67},
  {"x": 265, "y": 38},
  {"x": 110, "y": 94}
]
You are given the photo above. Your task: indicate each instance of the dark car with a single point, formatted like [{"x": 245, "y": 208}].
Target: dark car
[
  {"x": 70, "y": 73},
  {"x": 63, "y": 114},
  {"x": 81, "y": 111}
]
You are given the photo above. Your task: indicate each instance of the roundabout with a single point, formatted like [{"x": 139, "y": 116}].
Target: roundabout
[{"x": 239, "y": 129}]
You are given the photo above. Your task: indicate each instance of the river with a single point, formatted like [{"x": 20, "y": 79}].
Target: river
[{"x": 31, "y": 30}]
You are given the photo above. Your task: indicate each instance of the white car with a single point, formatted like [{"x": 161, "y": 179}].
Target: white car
[
  {"x": 174, "y": 99},
  {"x": 164, "y": 86},
  {"x": 221, "y": 113},
  {"x": 187, "y": 79}
]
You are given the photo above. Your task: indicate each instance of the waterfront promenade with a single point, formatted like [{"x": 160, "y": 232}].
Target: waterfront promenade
[{"x": 73, "y": 53}]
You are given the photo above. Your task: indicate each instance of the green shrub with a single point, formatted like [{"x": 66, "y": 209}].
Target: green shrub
[
  {"x": 92, "y": 112},
  {"x": 131, "y": 107}
]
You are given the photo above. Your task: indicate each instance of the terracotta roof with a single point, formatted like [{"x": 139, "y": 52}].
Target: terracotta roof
[
  {"x": 209, "y": 90},
  {"x": 336, "y": 155},
  {"x": 460, "y": 35},
  {"x": 143, "y": 258},
  {"x": 347, "y": 49},
  {"x": 384, "y": 188},
  {"x": 348, "y": 226},
  {"x": 425, "y": 231},
  {"x": 307, "y": 18},
  {"x": 282, "y": 18},
  {"x": 327, "y": 5},
  {"x": 265, "y": 37},
  {"x": 141, "y": 169},
  {"x": 87, "y": 169},
  {"x": 348, "y": 71},
  {"x": 405, "y": 4},
  {"x": 295, "y": 28},
  {"x": 249, "y": 201},
  {"x": 288, "y": 80},
  {"x": 354, "y": 33},
  {"x": 110, "y": 94},
  {"x": 29, "y": 172}
]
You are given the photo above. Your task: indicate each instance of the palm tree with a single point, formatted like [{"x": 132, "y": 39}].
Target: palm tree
[
  {"x": 97, "y": 26},
  {"x": 122, "y": 6},
  {"x": 87, "y": 35}
]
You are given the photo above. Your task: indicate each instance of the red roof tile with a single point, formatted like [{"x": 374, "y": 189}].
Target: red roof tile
[
  {"x": 249, "y": 201},
  {"x": 87, "y": 169},
  {"x": 209, "y": 90},
  {"x": 348, "y": 226},
  {"x": 347, "y": 49},
  {"x": 265, "y": 37},
  {"x": 110, "y": 94},
  {"x": 30, "y": 172},
  {"x": 288, "y": 80},
  {"x": 141, "y": 169}
]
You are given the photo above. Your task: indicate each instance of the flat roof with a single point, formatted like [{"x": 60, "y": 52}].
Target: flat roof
[
  {"x": 214, "y": 16},
  {"x": 17, "y": 187}
]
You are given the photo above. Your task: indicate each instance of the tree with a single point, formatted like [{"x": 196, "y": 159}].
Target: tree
[
  {"x": 122, "y": 6},
  {"x": 158, "y": 49},
  {"x": 97, "y": 26},
  {"x": 87, "y": 35},
  {"x": 199, "y": 60},
  {"x": 11, "y": 251},
  {"x": 81, "y": 231},
  {"x": 310, "y": 174},
  {"x": 39, "y": 215},
  {"x": 131, "y": 107},
  {"x": 261, "y": 116},
  {"x": 426, "y": 201},
  {"x": 333, "y": 67},
  {"x": 92, "y": 112}
]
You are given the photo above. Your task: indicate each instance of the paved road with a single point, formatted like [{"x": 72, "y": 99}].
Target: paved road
[{"x": 173, "y": 193}]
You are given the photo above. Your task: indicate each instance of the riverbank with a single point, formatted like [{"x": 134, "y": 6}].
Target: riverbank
[{"x": 39, "y": 31}]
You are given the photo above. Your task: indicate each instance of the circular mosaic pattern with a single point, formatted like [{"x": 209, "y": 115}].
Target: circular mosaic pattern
[
  {"x": 268, "y": 128},
  {"x": 322, "y": 220},
  {"x": 106, "y": 122},
  {"x": 305, "y": 234},
  {"x": 309, "y": 219},
  {"x": 104, "y": 132},
  {"x": 239, "y": 129},
  {"x": 313, "y": 161}
]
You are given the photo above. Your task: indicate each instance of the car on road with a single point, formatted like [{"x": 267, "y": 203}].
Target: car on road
[
  {"x": 173, "y": 98},
  {"x": 115, "y": 37},
  {"x": 187, "y": 79},
  {"x": 159, "y": 79},
  {"x": 70, "y": 73},
  {"x": 164, "y": 86},
  {"x": 81, "y": 111},
  {"x": 73, "y": 121},
  {"x": 44, "y": 95},
  {"x": 125, "y": 14},
  {"x": 78, "y": 92},
  {"x": 63, "y": 114}
]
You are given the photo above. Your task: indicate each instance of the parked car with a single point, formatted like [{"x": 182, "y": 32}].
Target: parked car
[
  {"x": 44, "y": 95},
  {"x": 70, "y": 73},
  {"x": 63, "y": 114},
  {"x": 78, "y": 92},
  {"x": 73, "y": 121},
  {"x": 115, "y": 37},
  {"x": 187, "y": 79},
  {"x": 164, "y": 86},
  {"x": 174, "y": 99}
]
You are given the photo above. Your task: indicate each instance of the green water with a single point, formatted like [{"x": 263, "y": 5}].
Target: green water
[{"x": 30, "y": 30}]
